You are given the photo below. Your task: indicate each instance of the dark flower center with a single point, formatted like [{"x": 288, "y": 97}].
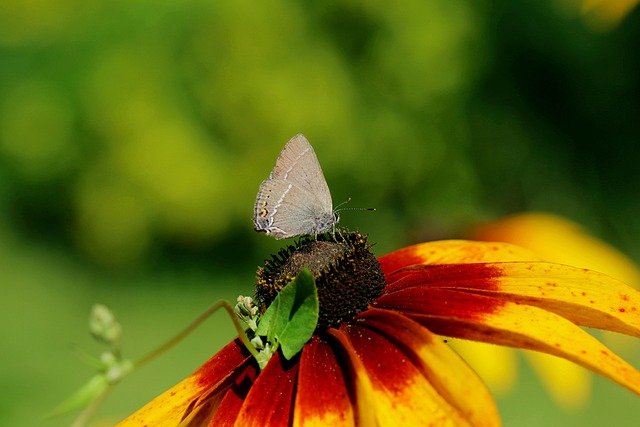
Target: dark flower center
[{"x": 347, "y": 274}]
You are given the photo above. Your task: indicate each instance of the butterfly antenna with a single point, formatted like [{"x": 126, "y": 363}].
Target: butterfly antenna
[
  {"x": 343, "y": 203},
  {"x": 357, "y": 209},
  {"x": 338, "y": 209}
]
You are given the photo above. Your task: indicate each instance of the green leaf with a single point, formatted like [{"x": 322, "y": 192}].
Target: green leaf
[
  {"x": 269, "y": 320},
  {"x": 292, "y": 317}
]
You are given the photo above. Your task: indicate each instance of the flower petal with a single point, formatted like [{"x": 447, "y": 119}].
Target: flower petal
[
  {"x": 560, "y": 240},
  {"x": 401, "y": 394},
  {"x": 234, "y": 397},
  {"x": 453, "y": 252},
  {"x": 449, "y": 375},
  {"x": 585, "y": 297},
  {"x": 270, "y": 399},
  {"x": 323, "y": 398},
  {"x": 365, "y": 399},
  {"x": 557, "y": 239},
  {"x": 172, "y": 406},
  {"x": 482, "y": 318}
]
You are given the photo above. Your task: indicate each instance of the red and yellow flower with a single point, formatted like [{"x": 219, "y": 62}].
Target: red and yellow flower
[{"x": 386, "y": 364}]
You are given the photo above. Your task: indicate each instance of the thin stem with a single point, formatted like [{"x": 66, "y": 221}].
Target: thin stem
[{"x": 193, "y": 325}]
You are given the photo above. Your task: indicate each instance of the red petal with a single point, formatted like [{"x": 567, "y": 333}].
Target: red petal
[
  {"x": 197, "y": 392},
  {"x": 270, "y": 400},
  {"x": 401, "y": 393},
  {"x": 322, "y": 397},
  {"x": 365, "y": 400},
  {"x": 428, "y": 290},
  {"x": 450, "y": 376},
  {"x": 585, "y": 297},
  {"x": 218, "y": 367},
  {"x": 449, "y": 276},
  {"x": 234, "y": 398}
]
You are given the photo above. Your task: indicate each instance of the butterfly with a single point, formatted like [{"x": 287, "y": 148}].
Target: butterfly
[{"x": 295, "y": 200}]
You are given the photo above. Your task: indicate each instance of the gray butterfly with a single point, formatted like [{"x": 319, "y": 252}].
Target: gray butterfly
[{"x": 295, "y": 199}]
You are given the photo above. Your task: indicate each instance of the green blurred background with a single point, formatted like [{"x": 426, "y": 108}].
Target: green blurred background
[{"x": 134, "y": 135}]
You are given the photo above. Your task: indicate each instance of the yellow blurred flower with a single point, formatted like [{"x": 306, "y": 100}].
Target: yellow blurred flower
[
  {"x": 554, "y": 239},
  {"x": 604, "y": 15},
  {"x": 557, "y": 239}
]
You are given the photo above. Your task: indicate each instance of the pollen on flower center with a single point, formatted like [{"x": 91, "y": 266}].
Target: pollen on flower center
[{"x": 348, "y": 276}]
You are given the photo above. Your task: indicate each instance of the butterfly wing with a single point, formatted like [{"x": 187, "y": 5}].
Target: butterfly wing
[
  {"x": 298, "y": 163},
  {"x": 295, "y": 200},
  {"x": 284, "y": 209}
]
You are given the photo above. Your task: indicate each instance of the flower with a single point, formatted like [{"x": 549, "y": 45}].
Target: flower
[{"x": 385, "y": 363}]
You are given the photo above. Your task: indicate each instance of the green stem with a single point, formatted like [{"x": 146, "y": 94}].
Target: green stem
[{"x": 197, "y": 322}]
